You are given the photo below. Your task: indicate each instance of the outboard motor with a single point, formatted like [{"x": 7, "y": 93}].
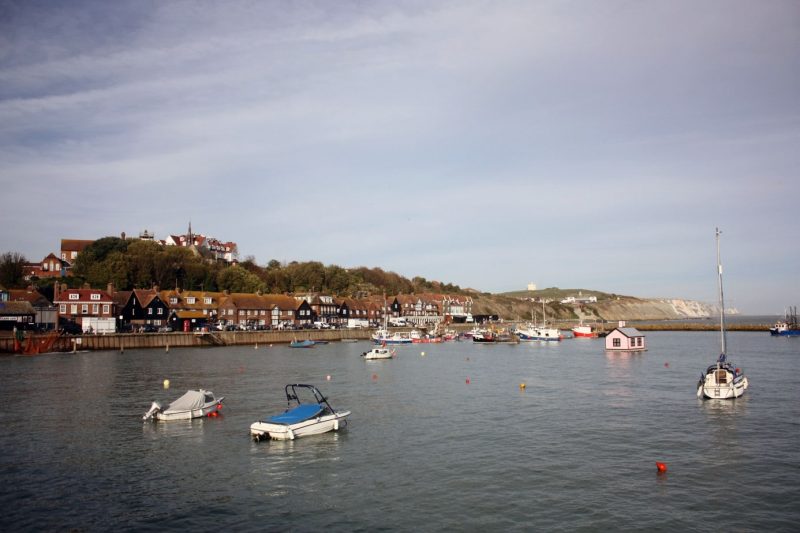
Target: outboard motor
[{"x": 155, "y": 408}]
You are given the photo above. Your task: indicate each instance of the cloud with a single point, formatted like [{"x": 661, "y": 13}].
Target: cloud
[{"x": 489, "y": 144}]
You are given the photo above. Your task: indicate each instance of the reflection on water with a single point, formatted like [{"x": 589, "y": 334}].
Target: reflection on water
[{"x": 178, "y": 428}]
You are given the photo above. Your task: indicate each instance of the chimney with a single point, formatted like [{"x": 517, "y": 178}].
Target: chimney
[
  {"x": 155, "y": 287},
  {"x": 110, "y": 289},
  {"x": 56, "y": 290}
]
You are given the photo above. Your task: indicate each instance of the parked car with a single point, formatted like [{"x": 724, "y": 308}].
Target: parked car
[{"x": 149, "y": 328}]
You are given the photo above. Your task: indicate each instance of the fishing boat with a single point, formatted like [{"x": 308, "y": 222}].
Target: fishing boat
[
  {"x": 379, "y": 352},
  {"x": 193, "y": 404},
  {"x": 583, "y": 331},
  {"x": 484, "y": 336},
  {"x": 300, "y": 418},
  {"x": 302, "y": 344},
  {"x": 788, "y": 327},
  {"x": 721, "y": 380},
  {"x": 532, "y": 332}
]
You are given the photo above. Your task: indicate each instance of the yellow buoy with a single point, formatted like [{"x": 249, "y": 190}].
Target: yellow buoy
[
  {"x": 166, "y": 383},
  {"x": 522, "y": 386}
]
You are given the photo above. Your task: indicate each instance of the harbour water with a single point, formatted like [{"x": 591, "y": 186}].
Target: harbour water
[{"x": 444, "y": 441}]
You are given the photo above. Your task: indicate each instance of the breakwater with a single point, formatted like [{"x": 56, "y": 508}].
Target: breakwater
[{"x": 126, "y": 341}]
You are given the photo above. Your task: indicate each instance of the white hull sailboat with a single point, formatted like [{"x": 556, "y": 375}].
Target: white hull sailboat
[{"x": 722, "y": 380}]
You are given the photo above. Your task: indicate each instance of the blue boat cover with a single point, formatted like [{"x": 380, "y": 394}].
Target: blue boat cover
[{"x": 298, "y": 414}]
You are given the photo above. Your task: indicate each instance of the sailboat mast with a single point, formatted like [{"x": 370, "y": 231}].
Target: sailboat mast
[{"x": 721, "y": 299}]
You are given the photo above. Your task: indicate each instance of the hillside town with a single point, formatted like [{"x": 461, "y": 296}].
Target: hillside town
[{"x": 154, "y": 309}]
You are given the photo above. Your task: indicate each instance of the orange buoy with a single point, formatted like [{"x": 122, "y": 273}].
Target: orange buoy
[{"x": 662, "y": 467}]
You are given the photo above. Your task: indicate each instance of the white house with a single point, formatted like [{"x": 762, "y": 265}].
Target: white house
[{"x": 626, "y": 339}]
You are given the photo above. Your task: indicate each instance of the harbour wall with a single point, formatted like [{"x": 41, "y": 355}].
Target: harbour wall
[{"x": 136, "y": 341}]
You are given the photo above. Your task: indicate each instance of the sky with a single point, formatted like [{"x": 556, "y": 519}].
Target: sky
[{"x": 490, "y": 144}]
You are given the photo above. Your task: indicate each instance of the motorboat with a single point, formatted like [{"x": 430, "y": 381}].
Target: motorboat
[
  {"x": 484, "y": 336},
  {"x": 300, "y": 418},
  {"x": 193, "y": 404},
  {"x": 302, "y": 344},
  {"x": 538, "y": 333},
  {"x": 722, "y": 380},
  {"x": 379, "y": 352},
  {"x": 788, "y": 327},
  {"x": 583, "y": 331},
  {"x": 382, "y": 336}
]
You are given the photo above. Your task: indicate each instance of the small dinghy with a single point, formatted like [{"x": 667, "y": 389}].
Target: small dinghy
[
  {"x": 302, "y": 344},
  {"x": 300, "y": 419},
  {"x": 193, "y": 404}
]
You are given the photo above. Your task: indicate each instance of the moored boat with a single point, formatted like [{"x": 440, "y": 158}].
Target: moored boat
[
  {"x": 722, "y": 380},
  {"x": 193, "y": 404},
  {"x": 788, "y": 327},
  {"x": 379, "y": 352},
  {"x": 584, "y": 331},
  {"x": 300, "y": 419},
  {"x": 302, "y": 344}
]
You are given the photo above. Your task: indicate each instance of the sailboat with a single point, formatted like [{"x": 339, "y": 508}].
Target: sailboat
[{"x": 722, "y": 380}]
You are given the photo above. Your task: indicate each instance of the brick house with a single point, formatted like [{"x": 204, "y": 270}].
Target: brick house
[
  {"x": 74, "y": 305},
  {"x": 49, "y": 267}
]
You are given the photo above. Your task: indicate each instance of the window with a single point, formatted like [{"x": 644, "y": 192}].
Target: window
[
  {"x": 149, "y": 310},
  {"x": 105, "y": 309},
  {"x": 160, "y": 310},
  {"x": 173, "y": 300},
  {"x": 63, "y": 309},
  {"x": 156, "y": 322},
  {"x": 74, "y": 254},
  {"x": 190, "y": 300},
  {"x": 73, "y": 309},
  {"x": 85, "y": 309},
  {"x": 95, "y": 309},
  {"x": 74, "y": 296},
  {"x": 639, "y": 341},
  {"x": 95, "y": 296},
  {"x": 616, "y": 343},
  {"x": 207, "y": 300}
]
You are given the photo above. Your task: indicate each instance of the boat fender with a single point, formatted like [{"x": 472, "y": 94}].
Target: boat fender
[
  {"x": 336, "y": 425},
  {"x": 290, "y": 433}
]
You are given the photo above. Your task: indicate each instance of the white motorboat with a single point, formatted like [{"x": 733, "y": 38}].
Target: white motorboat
[
  {"x": 722, "y": 380},
  {"x": 193, "y": 404},
  {"x": 379, "y": 352},
  {"x": 300, "y": 419}
]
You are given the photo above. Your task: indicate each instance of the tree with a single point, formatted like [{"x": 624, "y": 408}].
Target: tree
[
  {"x": 237, "y": 279},
  {"x": 12, "y": 272}
]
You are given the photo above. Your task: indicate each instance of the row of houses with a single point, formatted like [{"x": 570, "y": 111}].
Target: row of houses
[{"x": 188, "y": 310}]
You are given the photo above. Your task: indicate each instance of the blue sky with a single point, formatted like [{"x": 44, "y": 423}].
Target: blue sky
[{"x": 487, "y": 144}]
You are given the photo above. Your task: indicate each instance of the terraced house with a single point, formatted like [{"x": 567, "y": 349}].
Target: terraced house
[{"x": 76, "y": 305}]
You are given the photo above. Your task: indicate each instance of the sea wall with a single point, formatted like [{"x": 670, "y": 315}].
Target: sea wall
[{"x": 133, "y": 341}]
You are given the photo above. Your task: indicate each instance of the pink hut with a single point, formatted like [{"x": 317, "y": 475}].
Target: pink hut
[{"x": 626, "y": 339}]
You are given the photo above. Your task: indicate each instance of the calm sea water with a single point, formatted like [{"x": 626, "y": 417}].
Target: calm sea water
[{"x": 424, "y": 449}]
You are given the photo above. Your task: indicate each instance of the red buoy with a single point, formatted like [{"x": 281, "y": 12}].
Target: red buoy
[
  {"x": 467, "y": 381},
  {"x": 666, "y": 365},
  {"x": 662, "y": 467}
]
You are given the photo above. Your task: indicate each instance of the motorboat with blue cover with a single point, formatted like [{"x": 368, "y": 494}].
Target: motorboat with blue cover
[
  {"x": 193, "y": 404},
  {"x": 300, "y": 418}
]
